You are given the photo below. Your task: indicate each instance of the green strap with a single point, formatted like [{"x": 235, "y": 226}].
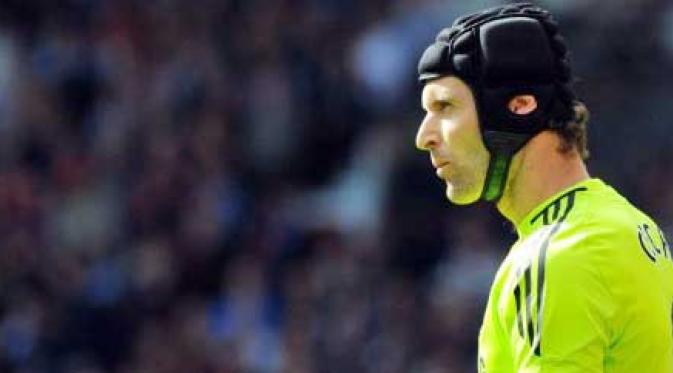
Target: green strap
[
  {"x": 496, "y": 177},
  {"x": 502, "y": 146}
]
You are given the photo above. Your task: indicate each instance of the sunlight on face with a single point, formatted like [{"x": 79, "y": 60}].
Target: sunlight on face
[{"x": 450, "y": 133}]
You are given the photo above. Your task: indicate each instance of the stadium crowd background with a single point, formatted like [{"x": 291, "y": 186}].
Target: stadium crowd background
[{"x": 232, "y": 186}]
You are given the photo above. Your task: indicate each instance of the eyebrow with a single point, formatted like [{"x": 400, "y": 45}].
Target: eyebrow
[{"x": 444, "y": 96}]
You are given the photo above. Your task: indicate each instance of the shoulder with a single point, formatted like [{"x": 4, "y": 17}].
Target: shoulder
[
  {"x": 609, "y": 237},
  {"x": 603, "y": 222},
  {"x": 593, "y": 229}
]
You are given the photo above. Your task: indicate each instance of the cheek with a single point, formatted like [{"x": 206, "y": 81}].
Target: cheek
[
  {"x": 476, "y": 146},
  {"x": 462, "y": 139},
  {"x": 452, "y": 133}
]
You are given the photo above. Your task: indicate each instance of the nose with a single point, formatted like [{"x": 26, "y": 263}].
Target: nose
[{"x": 427, "y": 136}]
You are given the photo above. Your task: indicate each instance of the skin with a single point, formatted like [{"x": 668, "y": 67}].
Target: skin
[{"x": 450, "y": 134}]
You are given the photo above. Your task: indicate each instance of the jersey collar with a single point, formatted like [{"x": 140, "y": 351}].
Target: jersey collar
[{"x": 554, "y": 208}]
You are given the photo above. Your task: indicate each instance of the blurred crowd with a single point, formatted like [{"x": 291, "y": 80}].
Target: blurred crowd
[{"x": 232, "y": 186}]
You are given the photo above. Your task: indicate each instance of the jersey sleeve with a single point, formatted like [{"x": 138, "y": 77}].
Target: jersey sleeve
[{"x": 574, "y": 325}]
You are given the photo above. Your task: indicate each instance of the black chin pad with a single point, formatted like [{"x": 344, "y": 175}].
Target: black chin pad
[{"x": 515, "y": 50}]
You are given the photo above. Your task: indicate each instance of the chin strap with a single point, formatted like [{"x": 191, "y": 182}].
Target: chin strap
[
  {"x": 502, "y": 146},
  {"x": 496, "y": 177}
]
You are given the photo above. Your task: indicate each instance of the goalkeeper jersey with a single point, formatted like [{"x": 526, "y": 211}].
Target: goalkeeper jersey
[{"x": 588, "y": 287}]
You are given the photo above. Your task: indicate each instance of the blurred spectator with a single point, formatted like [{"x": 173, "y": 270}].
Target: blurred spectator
[{"x": 232, "y": 187}]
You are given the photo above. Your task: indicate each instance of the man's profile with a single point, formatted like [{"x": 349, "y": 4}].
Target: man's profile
[{"x": 588, "y": 286}]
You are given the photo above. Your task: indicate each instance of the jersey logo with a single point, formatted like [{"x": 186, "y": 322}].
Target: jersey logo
[
  {"x": 650, "y": 248},
  {"x": 528, "y": 294}
]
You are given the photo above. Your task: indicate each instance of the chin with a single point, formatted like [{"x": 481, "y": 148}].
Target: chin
[{"x": 461, "y": 197}]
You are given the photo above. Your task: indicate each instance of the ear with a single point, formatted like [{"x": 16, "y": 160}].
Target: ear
[{"x": 522, "y": 104}]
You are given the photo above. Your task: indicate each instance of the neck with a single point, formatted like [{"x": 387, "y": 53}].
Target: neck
[{"x": 536, "y": 174}]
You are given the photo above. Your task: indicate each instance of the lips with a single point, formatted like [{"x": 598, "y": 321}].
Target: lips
[
  {"x": 440, "y": 168},
  {"x": 439, "y": 164}
]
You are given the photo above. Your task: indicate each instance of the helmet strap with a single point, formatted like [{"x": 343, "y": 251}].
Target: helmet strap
[{"x": 502, "y": 147}]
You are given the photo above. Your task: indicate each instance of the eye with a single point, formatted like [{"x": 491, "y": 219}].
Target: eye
[{"x": 442, "y": 105}]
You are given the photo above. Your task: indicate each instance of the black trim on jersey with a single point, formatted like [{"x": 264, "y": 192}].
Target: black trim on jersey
[
  {"x": 664, "y": 241},
  {"x": 529, "y": 303},
  {"x": 540, "y": 288},
  {"x": 517, "y": 299},
  {"x": 554, "y": 208}
]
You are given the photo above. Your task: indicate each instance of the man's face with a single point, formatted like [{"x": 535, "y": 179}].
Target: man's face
[{"x": 450, "y": 133}]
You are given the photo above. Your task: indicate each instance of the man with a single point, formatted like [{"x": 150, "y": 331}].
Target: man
[{"x": 588, "y": 286}]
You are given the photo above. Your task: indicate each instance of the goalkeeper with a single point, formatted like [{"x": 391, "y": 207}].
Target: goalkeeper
[{"x": 588, "y": 286}]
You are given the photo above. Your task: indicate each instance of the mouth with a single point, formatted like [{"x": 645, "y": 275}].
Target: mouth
[
  {"x": 440, "y": 169},
  {"x": 439, "y": 165}
]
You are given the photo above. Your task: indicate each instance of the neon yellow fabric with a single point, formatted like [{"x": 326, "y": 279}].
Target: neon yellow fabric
[{"x": 588, "y": 287}]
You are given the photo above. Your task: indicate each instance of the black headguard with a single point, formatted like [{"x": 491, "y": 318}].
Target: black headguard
[{"x": 500, "y": 53}]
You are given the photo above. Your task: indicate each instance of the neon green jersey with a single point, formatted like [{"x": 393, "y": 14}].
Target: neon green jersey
[{"x": 588, "y": 287}]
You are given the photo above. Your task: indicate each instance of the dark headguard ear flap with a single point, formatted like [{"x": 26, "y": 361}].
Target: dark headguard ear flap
[{"x": 516, "y": 58}]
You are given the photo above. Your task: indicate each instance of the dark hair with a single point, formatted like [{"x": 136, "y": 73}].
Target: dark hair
[{"x": 573, "y": 133}]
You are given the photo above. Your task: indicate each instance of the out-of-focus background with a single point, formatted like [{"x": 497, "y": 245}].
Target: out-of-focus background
[{"x": 232, "y": 186}]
